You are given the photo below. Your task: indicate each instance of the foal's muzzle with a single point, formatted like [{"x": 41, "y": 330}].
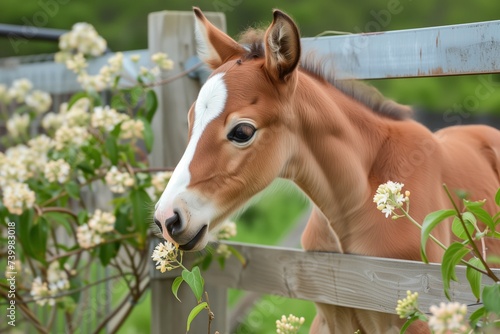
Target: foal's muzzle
[{"x": 175, "y": 229}]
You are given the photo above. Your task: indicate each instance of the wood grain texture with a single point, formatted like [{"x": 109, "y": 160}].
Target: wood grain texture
[{"x": 340, "y": 279}]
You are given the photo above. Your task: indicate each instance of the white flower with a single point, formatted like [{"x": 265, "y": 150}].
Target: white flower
[
  {"x": 12, "y": 170},
  {"x": 92, "y": 82},
  {"x": 407, "y": 306},
  {"x": 83, "y": 38},
  {"x": 70, "y": 136},
  {"x": 46, "y": 292},
  {"x": 227, "y": 230},
  {"x": 4, "y": 94},
  {"x": 18, "y": 197},
  {"x": 223, "y": 250},
  {"x": 135, "y": 58},
  {"x": 132, "y": 129},
  {"x": 290, "y": 325},
  {"x": 116, "y": 63},
  {"x": 118, "y": 181},
  {"x": 19, "y": 89},
  {"x": 76, "y": 63},
  {"x": 165, "y": 256},
  {"x": 389, "y": 198},
  {"x": 87, "y": 237},
  {"x": 160, "y": 180},
  {"x": 161, "y": 59},
  {"x": 52, "y": 121},
  {"x": 18, "y": 125},
  {"x": 448, "y": 318},
  {"x": 57, "y": 170},
  {"x": 40, "y": 292},
  {"x": 41, "y": 144},
  {"x": 102, "y": 222},
  {"x": 39, "y": 101},
  {"x": 106, "y": 118}
]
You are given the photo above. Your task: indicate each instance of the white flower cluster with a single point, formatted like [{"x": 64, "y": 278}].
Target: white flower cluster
[
  {"x": 449, "y": 318},
  {"x": 18, "y": 197},
  {"x": 160, "y": 180},
  {"x": 39, "y": 101},
  {"x": 118, "y": 181},
  {"x": 227, "y": 230},
  {"x": 290, "y": 325},
  {"x": 161, "y": 59},
  {"x": 70, "y": 136},
  {"x": 20, "y": 92},
  {"x": 57, "y": 171},
  {"x": 17, "y": 125},
  {"x": 389, "y": 198},
  {"x": 107, "y": 118},
  {"x": 165, "y": 255},
  {"x": 46, "y": 292},
  {"x": 132, "y": 129},
  {"x": 407, "y": 306},
  {"x": 84, "y": 39},
  {"x": 93, "y": 233}
]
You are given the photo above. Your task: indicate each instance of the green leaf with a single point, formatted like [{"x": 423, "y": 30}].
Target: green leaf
[
  {"x": 23, "y": 227},
  {"x": 73, "y": 189},
  {"x": 118, "y": 102},
  {"x": 135, "y": 94},
  {"x": 38, "y": 236},
  {"x": 481, "y": 214},
  {"x": 497, "y": 197},
  {"x": 60, "y": 218},
  {"x": 475, "y": 277},
  {"x": 151, "y": 105},
  {"x": 451, "y": 258},
  {"x": 430, "y": 222},
  {"x": 85, "y": 167},
  {"x": 141, "y": 211},
  {"x": 175, "y": 286},
  {"x": 75, "y": 97},
  {"x": 491, "y": 298},
  {"x": 194, "y": 312},
  {"x": 408, "y": 322},
  {"x": 476, "y": 316},
  {"x": 148, "y": 134},
  {"x": 112, "y": 149},
  {"x": 195, "y": 281},
  {"x": 107, "y": 252},
  {"x": 93, "y": 155},
  {"x": 458, "y": 229}
]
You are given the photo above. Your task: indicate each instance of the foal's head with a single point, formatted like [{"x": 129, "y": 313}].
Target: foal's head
[{"x": 240, "y": 134}]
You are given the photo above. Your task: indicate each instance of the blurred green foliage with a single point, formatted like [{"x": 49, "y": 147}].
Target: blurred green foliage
[{"x": 124, "y": 25}]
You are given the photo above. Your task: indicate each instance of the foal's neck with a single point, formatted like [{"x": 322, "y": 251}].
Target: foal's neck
[{"x": 339, "y": 141}]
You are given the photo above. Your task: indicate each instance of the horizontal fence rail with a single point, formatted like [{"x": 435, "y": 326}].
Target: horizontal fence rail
[
  {"x": 448, "y": 50},
  {"x": 341, "y": 279}
]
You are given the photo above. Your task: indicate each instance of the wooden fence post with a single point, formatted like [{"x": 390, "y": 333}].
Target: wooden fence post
[{"x": 173, "y": 32}]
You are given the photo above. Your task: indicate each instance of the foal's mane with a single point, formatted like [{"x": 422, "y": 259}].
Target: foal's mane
[{"x": 362, "y": 92}]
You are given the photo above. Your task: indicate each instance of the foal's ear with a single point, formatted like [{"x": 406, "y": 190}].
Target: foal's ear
[
  {"x": 282, "y": 42},
  {"x": 214, "y": 46}
]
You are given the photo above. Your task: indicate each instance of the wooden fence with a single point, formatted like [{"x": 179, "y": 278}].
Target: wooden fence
[{"x": 346, "y": 280}]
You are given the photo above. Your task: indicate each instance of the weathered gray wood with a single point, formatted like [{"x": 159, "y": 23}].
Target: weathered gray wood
[
  {"x": 173, "y": 32},
  {"x": 448, "y": 50},
  {"x": 340, "y": 279}
]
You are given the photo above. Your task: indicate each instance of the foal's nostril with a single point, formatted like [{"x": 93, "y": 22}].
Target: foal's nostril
[
  {"x": 157, "y": 222},
  {"x": 173, "y": 225}
]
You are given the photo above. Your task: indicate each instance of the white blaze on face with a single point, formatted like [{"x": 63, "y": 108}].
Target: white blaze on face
[{"x": 209, "y": 105}]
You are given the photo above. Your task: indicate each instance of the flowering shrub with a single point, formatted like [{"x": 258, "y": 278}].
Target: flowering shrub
[
  {"x": 52, "y": 239},
  {"x": 451, "y": 317}
]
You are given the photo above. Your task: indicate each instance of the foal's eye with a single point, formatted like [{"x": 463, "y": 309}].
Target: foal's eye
[{"x": 241, "y": 133}]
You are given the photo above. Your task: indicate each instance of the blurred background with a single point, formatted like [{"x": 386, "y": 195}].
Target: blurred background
[
  {"x": 124, "y": 25},
  {"x": 438, "y": 100}
]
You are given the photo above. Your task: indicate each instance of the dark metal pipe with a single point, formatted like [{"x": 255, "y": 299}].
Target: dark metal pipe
[{"x": 30, "y": 32}]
